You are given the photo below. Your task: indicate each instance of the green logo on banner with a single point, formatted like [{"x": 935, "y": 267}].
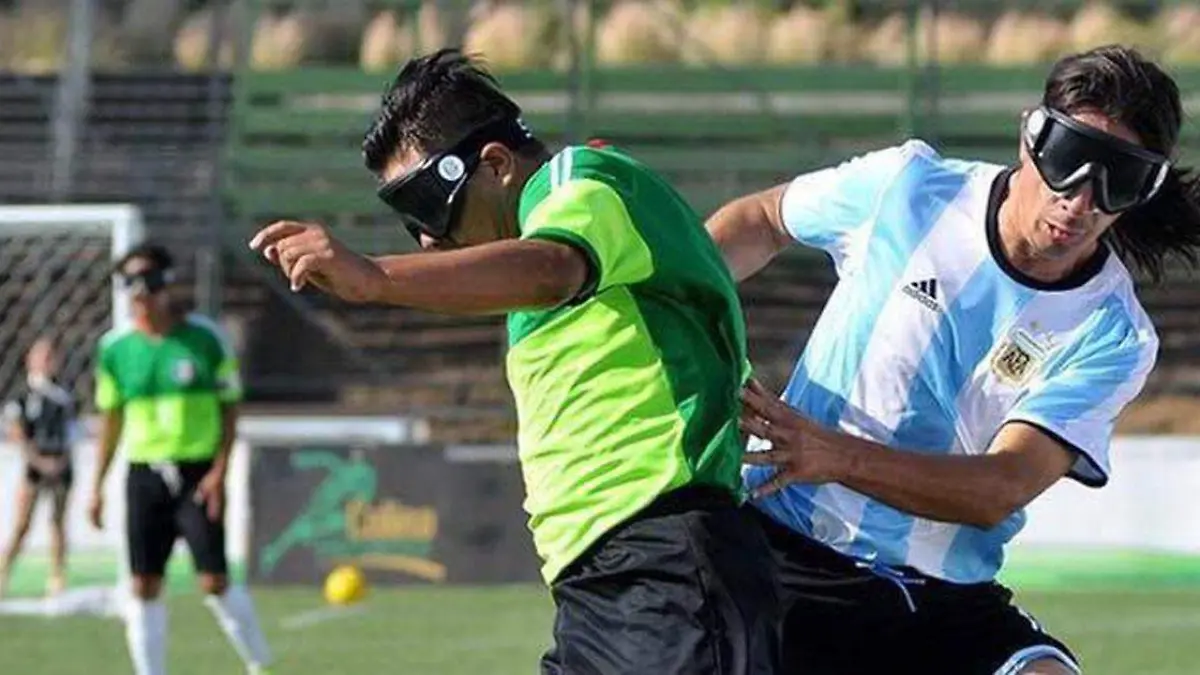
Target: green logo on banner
[{"x": 345, "y": 523}]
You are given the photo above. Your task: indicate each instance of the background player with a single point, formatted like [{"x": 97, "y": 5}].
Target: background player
[
  {"x": 42, "y": 422},
  {"x": 627, "y": 353},
  {"x": 982, "y": 339},
  {"x": 168, "y": 389}
]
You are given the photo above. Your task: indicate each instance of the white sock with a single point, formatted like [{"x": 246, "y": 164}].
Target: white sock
[
  {"x": 234, "y": 612},
  {"x": 146, "y": 632}
]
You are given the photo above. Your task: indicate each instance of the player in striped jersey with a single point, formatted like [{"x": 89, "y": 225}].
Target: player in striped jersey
[{"x": 982, "y": 338}]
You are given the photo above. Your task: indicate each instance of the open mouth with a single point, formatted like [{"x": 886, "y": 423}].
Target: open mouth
[{"x": 1061, "y": 233}]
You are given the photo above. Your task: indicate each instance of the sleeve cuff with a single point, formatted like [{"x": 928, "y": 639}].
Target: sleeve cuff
[
  {"x": 591, "y": 283},
  {"x": 782, "y": 208},
  {"x": 1086, "y": 470}
]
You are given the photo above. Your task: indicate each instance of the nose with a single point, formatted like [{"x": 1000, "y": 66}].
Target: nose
[
  {"x": 1080, "y": 201},
  {"x": 428, "y": 243}
]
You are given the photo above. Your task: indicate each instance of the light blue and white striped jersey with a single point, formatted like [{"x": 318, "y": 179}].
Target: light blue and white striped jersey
[{"x": 931, "y": 342}]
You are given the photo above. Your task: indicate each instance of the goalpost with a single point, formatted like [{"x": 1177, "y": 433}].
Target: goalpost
[{"x": 56, "y": 281}]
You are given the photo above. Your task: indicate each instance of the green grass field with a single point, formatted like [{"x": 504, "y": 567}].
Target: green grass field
[
  {"x": 502, "y": 630},
  {"x": 1125, "y": 612}
]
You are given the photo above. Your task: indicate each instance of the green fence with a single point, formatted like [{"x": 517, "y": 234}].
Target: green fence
[
  {"x": 716, "y": 134},
  {"x": 716, "y": 131}
]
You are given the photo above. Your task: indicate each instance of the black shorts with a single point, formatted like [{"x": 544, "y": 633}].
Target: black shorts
[
  {"x": 685, "y": 587},
  {"x": 61, "y": 481},
  {"x": 161, "y": 506},
  {"x": 843, "y": 619}
]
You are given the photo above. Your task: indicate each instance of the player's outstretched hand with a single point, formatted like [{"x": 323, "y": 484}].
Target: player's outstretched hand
[
  {"x": 307, "y": 254},
  {"x": 96, "y": 510},
  {"x": 800, "y": 450}
]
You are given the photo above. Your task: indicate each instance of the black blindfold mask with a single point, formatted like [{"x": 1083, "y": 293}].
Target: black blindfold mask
[
  {"x": 1069, "y": 153},
  {"x": 148, "y": 282},
  {"x": 429, "y": 197}
]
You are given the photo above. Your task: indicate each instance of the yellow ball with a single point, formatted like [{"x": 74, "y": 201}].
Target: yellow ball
[{"x": 345, "y": 585}]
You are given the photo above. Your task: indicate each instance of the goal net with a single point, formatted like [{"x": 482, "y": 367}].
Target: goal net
[{"x": 56, "y": 282}]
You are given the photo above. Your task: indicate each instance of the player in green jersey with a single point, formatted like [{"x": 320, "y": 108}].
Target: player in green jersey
[
  {"x": 168, "y": 389},
  {"x": 626, "y": 357}
]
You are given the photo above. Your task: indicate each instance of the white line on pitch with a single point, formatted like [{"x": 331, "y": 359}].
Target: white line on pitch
[{"x": 313, "y": 617}]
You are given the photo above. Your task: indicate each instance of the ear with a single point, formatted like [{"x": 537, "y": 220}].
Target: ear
[
  {"x": 1022, "y": 151},
  {"x": 498, "y": 161}
]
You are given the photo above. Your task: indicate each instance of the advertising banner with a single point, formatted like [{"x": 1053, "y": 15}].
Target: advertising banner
[{"x": 402, "y": 514}]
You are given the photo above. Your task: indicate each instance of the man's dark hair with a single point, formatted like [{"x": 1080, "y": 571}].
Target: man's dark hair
[
  {"x": 435, "y": 101},
  {"x": 157, "y": 254},
  {"x": 1123, "y": 85}
]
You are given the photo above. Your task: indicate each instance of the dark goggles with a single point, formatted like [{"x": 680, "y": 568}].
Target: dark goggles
[
  {"x": 148, "y": 282},
  {"x": 1068, "y": 153},
  {"x": 429, "y": 197}
]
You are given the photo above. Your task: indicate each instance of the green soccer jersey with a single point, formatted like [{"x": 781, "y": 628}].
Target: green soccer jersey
[
  {"x": 170, "y": 389},
  {"x": 632, "y": 391}
]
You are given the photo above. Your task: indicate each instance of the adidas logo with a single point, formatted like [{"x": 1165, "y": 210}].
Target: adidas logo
[{"x": 924, "y": 292}]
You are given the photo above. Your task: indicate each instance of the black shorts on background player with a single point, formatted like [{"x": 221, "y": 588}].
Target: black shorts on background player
[
  {"x": 162, "y": 507},
  {"x": 684, "y": 588},
  {"x": 841, "y": 618}
]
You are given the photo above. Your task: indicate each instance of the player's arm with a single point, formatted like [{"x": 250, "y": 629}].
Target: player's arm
[
  {"x": 1061, "y": 426},
  {"x": 16, "y": 432},
  {"x": 973, "y": 490},
  {"x": 578, "y": 240},
  {"x": 12, "y": 422},
  {"x": 823, "y": 209},
  {"x": 492, "y": 278},
  {"x": 112, "y": 421},
  {"x": 211, "y": 490},
  {"x": 229, "y": 392},
  {"x": 750, "y": 231},
  {"x": 229, "y": 417}
]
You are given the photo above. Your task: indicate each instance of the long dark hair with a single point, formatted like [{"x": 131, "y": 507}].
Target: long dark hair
[{"x": 1119, "y": 82}]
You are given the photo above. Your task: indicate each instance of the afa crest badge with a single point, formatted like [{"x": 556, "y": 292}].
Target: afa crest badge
[{"x": 1018, "y": 358}]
